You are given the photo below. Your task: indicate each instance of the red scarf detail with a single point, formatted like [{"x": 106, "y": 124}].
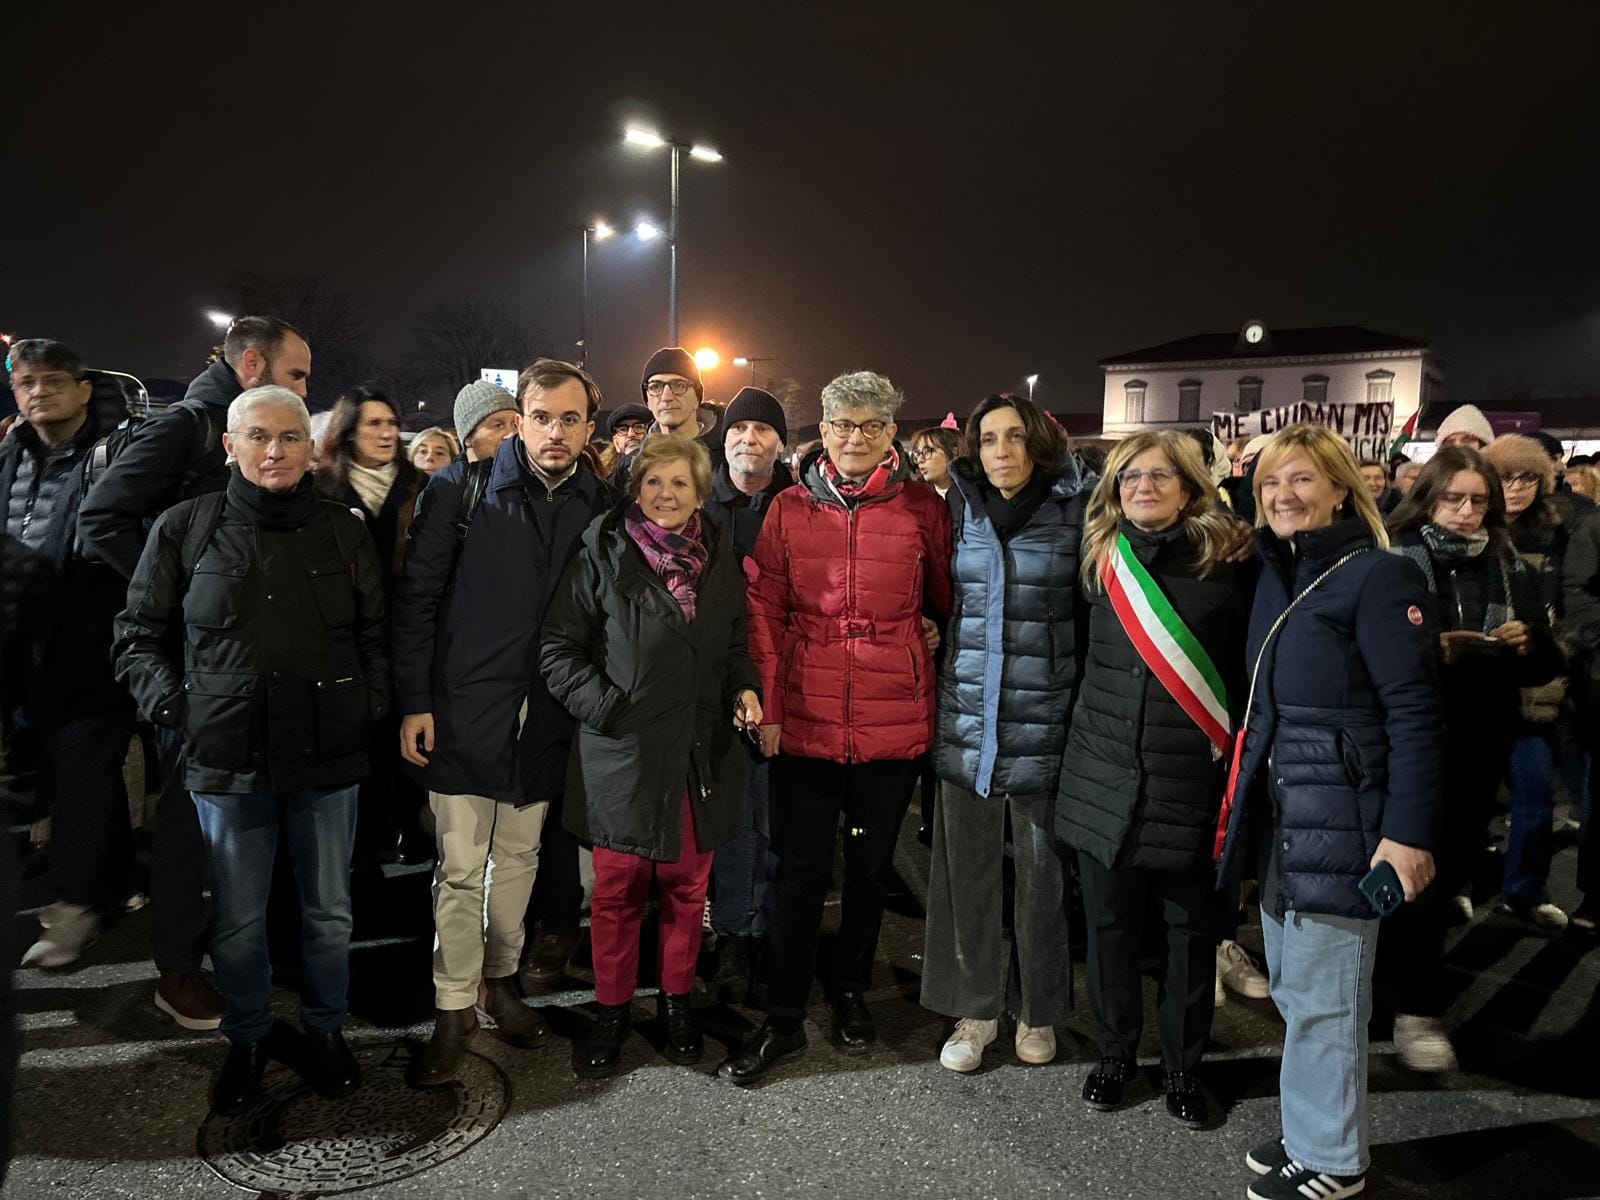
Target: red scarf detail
[{"x": 873, "y": 485}]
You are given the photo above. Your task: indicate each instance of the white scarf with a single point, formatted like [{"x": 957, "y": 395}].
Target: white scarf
[{"x": 372, "y": 484}]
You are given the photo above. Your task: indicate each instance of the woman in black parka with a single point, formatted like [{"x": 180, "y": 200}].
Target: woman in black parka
[
  {"x": 644, "y": 643},
  {"x": 1142, "y": 778}
]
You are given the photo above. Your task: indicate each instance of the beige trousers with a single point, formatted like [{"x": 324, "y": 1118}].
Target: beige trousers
[{"x": 488, "y": 857}]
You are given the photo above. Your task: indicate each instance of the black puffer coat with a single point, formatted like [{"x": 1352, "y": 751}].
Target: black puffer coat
[
  {"x": 1011, "y": 656},
  {"x": 281, "y": 624},
  {"x": 1346, "y": 719},
  {"x": 1140, "y": 785},
  {"x": 653, "y": 694}
]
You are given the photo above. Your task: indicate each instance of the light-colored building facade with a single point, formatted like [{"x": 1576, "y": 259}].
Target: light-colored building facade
[{"x": 1181, "y": 384}]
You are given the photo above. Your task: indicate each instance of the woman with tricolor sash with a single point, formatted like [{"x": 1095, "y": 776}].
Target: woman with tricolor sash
[
  {"x": 1148, "y": 748},
  {"x": 1017, "y": 501}
]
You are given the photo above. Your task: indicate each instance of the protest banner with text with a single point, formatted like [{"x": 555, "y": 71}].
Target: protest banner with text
[{"x": 1367, "y": 426}]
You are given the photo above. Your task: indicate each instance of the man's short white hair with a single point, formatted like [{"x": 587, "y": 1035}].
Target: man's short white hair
[{"x": 266, "y": 397}]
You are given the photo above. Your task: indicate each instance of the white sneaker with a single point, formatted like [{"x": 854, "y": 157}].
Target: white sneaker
[
  {"x": 964, "y": 1050},
  {"x": 1423, "y": 1045},
  {"x": 1237, "y": 969},
  {"x": 1546, "y": 915},
  {"x": 1221, "y": 997},
  {"x": 67, "y": 930},
  {"x": 1036, "y": 1044}
]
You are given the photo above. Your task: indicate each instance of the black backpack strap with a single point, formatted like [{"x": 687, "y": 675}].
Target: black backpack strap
[
  {"x": 205, "y": 514},
  {"x": 472, "y": 490},
  {"x": 207, "y": 438}
]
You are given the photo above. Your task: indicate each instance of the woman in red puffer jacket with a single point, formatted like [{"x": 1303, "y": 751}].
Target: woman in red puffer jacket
[{"x": 850, "y": 572}]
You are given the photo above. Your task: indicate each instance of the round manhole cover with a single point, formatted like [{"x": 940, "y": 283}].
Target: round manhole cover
[{"x": 295, "y": 1142}]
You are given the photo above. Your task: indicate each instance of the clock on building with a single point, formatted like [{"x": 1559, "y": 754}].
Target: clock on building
[{"x": 1254, "y": 332}]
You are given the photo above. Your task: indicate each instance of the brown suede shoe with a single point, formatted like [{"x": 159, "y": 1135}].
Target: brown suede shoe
[
  {"x": 189, "y": 999},
  {"x": 453, "y": 1031},
  {"x": 514, "y": 1022},
  {"x": 547, "y": 960}
]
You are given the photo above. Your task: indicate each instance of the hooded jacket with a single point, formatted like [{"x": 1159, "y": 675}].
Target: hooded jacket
[
  {"x": 653, "y": 694},
  {"x": 1011, "y": 652},
  {"x": 837, "y": 595}
]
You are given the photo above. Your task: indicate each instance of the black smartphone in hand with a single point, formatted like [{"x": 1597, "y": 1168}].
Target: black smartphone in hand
[{"x": 1382, "y": 888}]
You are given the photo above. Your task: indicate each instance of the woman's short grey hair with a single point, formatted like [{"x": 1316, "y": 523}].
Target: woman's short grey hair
[
  {"x": 267, "y": 397},
  {"x": 861, "y": 389}
]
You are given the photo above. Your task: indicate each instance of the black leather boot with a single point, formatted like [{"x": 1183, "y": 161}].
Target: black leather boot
[
  {"x": 681, "y": 1041},
  {"x": 238, "y": 1084},
  {"x": 760, "y": 1054},
  {"x": 853, "y": 1023},
  {"x": 453, "y": 1031},
  {"x": 1106, "y": 1085},
  {"x": 330, "y": 1067},
  {"x": 597, "y": 1055}
]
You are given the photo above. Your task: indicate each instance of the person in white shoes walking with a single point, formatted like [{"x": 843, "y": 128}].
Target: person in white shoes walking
[{"x": 1016, "y": 504}]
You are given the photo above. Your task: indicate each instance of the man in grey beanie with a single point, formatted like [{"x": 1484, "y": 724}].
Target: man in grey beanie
[{"x": 486, "y": 415}]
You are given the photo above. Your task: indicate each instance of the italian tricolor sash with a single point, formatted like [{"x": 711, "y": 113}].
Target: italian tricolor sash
[{"x": 1173, "y": 654}]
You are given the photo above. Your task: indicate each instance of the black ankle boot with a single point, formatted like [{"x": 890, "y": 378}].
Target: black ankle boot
[
  {"x": 330, "y": 1067},
  {"x": 238, "y": 1084},
  {"x": 596, "y": 1056},
  {"x": 853, "y": 1023},
  {"x": 681, "y": 1041},
  {"x": 760, "y": 1054}
]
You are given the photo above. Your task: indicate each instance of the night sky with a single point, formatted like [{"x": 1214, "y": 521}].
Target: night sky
[{"x": 956, "y": 203}]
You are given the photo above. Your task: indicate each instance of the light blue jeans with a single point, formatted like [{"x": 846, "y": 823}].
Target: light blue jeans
[
  {"x": 241, "y": 835},
  {"x": 1321, "y": 972}
]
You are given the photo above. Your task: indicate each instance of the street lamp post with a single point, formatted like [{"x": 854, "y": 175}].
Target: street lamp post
[
  {"x": 601, "y": 232},
  {"x": 745, "y": 360},
  {"x": 650, "y": 140}
]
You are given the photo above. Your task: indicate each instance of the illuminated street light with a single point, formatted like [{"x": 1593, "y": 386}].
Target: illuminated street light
[
  {"x": 1032, "y": 379},
  {"x": 745, "y": 360},
  {"x": 645, "y": 231},
  {"x": 647, "y": 138},
  {"x": 601, "y": 231},
  {"x": 651, "y": 140},
  {"x": 219, "y": 318},
  {"x": 707, "y": 359}
]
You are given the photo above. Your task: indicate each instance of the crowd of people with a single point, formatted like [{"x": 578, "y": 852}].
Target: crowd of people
[{"x": 1175, "y": 680}]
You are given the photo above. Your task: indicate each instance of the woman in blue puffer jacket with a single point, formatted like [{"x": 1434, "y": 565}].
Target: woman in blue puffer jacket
[
  {"x": 1338, "y": 772},
  {"x": 1017, "y": 501}
]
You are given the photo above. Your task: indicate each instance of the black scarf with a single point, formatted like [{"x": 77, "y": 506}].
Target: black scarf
[
  {"x": 272, "y": 510},
  {"x": 1008, "y": 516}
]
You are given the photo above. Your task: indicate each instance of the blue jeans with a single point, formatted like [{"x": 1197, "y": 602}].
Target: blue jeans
[
  {"x": 241, "y": 835},
  {"x": 1321, "y": 972},
  {"x": 743, "y": 868},
  {"x": 1533, "y": 800}
]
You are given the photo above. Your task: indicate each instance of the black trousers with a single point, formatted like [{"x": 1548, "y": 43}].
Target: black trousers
[
  {"x": 556, "y": 906},
  {"x": 1587, "y": 695},
  {"x": 1117, "y": 901},
  {"x": 809, "y": 795},
  {"x": 179, "y": 917},
  {"x": 91, "y": 838},
  {"x": 1410, "y": 959}
]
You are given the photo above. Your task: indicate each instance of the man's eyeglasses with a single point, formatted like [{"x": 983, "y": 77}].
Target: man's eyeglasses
[
  {"x": 869, "y": 429},
  {"x": 1521, "y": 479},
  {"x": 630, "y": 427},
  {"x": 677, "y": 387},
  {"x": 289, "y": 439},
  {"x": 543, "y": 421},
  {"x": 1457, "y": 499},
  {"x": 1129, "y": 480},
  {"x": 52, "y": 381}
]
